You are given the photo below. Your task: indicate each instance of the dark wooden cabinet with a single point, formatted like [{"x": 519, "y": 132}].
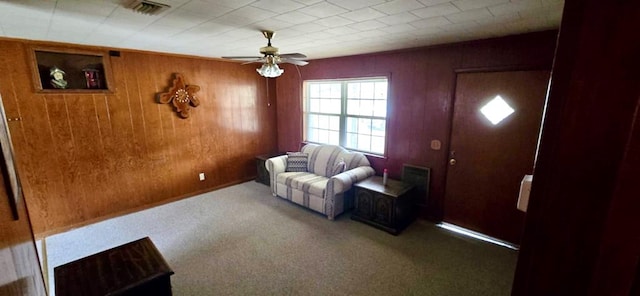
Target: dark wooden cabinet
[
  {"x": 390, "y": 208},
  {"x": 136, "y": 268},
  {"x": 261, "y": 171}
]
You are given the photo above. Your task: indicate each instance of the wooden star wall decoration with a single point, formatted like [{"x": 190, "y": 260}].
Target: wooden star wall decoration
[{"x": 182, "y": 96}]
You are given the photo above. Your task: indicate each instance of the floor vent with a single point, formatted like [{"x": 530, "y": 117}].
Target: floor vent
[{"x": 418, "y": 176}]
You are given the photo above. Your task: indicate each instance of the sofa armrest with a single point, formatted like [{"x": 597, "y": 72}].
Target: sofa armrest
[
  {"x": 343, "y": 181},
  {"x": 274, "y": 166}
]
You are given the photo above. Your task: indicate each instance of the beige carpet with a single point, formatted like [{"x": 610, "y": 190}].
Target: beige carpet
[{"x": 241, "y": 240}]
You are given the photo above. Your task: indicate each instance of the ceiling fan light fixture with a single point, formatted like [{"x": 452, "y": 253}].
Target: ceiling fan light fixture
[{"x": 270, "y": 70}]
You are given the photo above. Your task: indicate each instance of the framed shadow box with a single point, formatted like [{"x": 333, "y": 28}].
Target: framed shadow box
[{"x": 70, "y": 70}]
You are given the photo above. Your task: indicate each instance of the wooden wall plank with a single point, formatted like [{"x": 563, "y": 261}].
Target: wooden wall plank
[{"x": 86, "y": 157}]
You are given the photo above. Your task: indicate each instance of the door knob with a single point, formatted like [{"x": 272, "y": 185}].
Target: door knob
[{"x": 452, "y": 161}]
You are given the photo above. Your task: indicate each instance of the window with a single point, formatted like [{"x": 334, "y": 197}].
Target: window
[{"x": 350, "y": 113}]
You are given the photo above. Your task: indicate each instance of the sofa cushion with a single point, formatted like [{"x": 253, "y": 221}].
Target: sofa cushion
[
  {"x": 322, "y": 158},
  {"x": 339, "y": 167},
  {"x": 296, "y": 162},
  {"x": 304, "y": 181}
]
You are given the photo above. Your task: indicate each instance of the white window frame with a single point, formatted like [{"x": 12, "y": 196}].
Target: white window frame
[{"x": 343, "y": 115}]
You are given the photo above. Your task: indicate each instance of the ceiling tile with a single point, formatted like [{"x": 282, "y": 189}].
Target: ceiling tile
[
  {"x": 362, "y": 15},
  {"x": 469, "y": 15},
  {"x": 310, "y": 27},
  {"x": 433, "y": 2},
  {"x": 323, "y": 9},
  {"x": 36, "y": 32},
  {"x": 400, "y": 18},
  {"x": 308, "y": 2},
  {"x": 210, "y": 28},
  {"x": 204, "y": 9},
  {"x": 431, "y": 22},
  {"x": 334, "y": 21},
  {"x": 179, "y": 18},
  {"x": 244, "y": 16},
  {"x": 503, "y": 18},
  {"x": 295, "y": 17},
  {"x": 356, "y": 4},
  {"x": 436, "y": 10},
  {"x": 398, "y": 6},
  {"x": 271, "y": 24},
  {"x": 342, "y": 31},
  {"x": 89, "y": 8},
  {"x": 459, "y": 27},
  {"x": 367, "y": 25},
  {"x": 277, "y": 6},
  {"x": 399, "y": 28},
  {"x": 512, "y": 7},
  {"x": 232, "y": 3},
  {"x": 474, "y": 4}
]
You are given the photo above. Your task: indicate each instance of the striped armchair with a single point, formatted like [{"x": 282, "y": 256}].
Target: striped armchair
[{"x": 330, "y": 172}]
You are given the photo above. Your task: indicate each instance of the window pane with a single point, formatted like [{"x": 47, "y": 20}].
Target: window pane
[
  {"x": 381, "y": 91},
  {"x": 324, "y": 106},
  {"x": 353, "y": 107},
  {"x": 377, "y": 144},
  {"x": 330, "y": 90},
  {"x": 312, "y": 135},
  {"x": 314, "y": 105},
  {"x": 334, "y": 123},
  {"x": 378, "y": 127},
  {"x": 353, "y": 90},
  {"x": 352, "y": 140},
  {"x": 352, "y": 125},
  {"x": 380, "y": 108},
  {"x": 364, "y": 142},
  {"x": 314, "y": 90},
  {"x": 336, "y": 90},
  {"x": 367, "y": 90},
  {"x": 334, "y": 138},
  {"x": 334, "y": 106},
  {"x": 323, "y": 136},
  {"x": 366, "y": 107},
  {"x": 323, "y": 121},
  {"x": 313, "y": 120},
  {"x": 325, "y": 90},
  {"x": 364, "y": 126}
]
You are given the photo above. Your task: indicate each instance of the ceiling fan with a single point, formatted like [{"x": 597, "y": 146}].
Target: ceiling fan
[{"x": 270, "y": 58}]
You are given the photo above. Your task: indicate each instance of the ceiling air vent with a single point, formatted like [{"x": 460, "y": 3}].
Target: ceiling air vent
[{"x": 147, "y": 7}]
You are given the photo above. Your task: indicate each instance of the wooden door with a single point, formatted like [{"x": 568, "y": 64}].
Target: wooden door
[
  {"x": 489, "y": 159},
  {"x": 20, "y": 272}
]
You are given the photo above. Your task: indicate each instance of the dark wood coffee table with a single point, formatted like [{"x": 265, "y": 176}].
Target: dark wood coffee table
[{"x": 135, "y": 268}]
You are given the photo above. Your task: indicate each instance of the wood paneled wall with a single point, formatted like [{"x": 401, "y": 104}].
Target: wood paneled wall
[
  {"x": 582, "y": 232},
  {"x": 421, "y": 94},
  {"x": 86, "y": 157}
]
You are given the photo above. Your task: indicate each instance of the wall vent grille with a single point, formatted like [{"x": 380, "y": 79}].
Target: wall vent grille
[{"x": 148, "y": 7}]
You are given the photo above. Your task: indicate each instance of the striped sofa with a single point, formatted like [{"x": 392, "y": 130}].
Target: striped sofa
[{"x": 321, "y": 188}]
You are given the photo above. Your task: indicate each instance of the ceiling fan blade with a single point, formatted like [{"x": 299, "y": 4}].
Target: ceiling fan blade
[
  {"x": 293, "y": 56},
  {"x": 295, "y": 62},
  {"x": 242, "y": 57},
  {"x": 254, "y": 61}
]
